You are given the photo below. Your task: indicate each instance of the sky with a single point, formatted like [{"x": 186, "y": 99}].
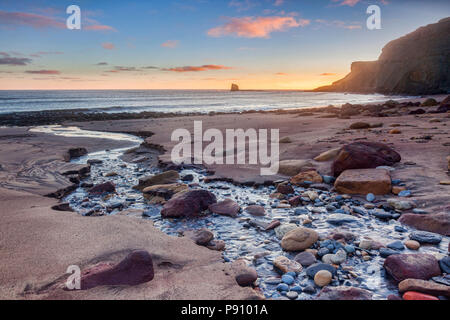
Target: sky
[{"x": 197, "y": 44}]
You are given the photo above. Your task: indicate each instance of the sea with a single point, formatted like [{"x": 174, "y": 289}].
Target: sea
[{"x": 177, "y": 101}]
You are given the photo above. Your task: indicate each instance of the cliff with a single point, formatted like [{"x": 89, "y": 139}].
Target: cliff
[{"x": 415, "y": 64}]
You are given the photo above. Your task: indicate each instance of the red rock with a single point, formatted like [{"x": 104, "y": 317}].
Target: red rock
[
  {"x": 202, "y": 237},
  {"x": 412, "y": 266},
  {"x": 364, "y": 181},
  {"x": 412, "y": 295},
  {"x": 227, "y": 207},
  {"x": 422, "y": 286},
  {"x": 189, "y": 204},
  {"x": 437, "y": 223},
  {"x": 216, "y": 245},
  {"x": 273, "y": 225},
  {"x": 255, "y": 210},
  {"x": 364, "y": 155},
  {"x": 344, "y": 293},
  {"x": 135, "y": 269},
  {"x": 295, "y": 201},
  {"x": 284, "y": 188},
  {"x": 245, "y": 275},
  {"x": 74, "y": 153},
  {"x": 393, "y": 297},
  {"x": 310, "y": 176},
  {"x": 107, "y": 187}
]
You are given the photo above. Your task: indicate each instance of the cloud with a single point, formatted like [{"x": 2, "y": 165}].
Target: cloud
[
  {"x": 278, "y": 3},
  {"x": 102, "y": 64},
  {"x": 123, "y": 69},
  {"x": 108, "y": 45},
  {"x": 326, "y": 74},
  {"x": 29, "y": 19},
  {"x": 99, "y": 27},
  {"x": 350, "y": 3},
  {"x": 256, "y": 27},
  {"x": 170, "y": 44},
  {"x": 340, "y": 24},
  {"x": 50, "y": 72},
  {"x": 7, "y": 59},
  {"x": 281, "y": 74},
  {"x": 197, "y": 69}
]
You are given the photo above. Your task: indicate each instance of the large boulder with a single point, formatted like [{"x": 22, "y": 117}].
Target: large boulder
[
  {"x": 412, "y": 266},
  {"x": 344, "y": 293},
  {"x": 107, "y": 187},
  {"x": 437, "y": 223},
  {"x": 226, "y": 207},
  {"x": 299, "y": 239},
  {"x": 167, "y": 177},
  {"x": 364, "y": 181},
  {"x": 364, "y": 155},
  {"x": 423, "y": 286},
  {"x": 188, "y": 204},
  {"x": 135, "y": 269}
]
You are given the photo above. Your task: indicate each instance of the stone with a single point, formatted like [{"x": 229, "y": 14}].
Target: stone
[
  {"x": 370, "y": 197},
  {"x": 412, "y": 295},
  {"x": 245, "y": 276},
  {"x": 167, "y": 177},
  {"x": 255, "y": 210},
  {"x": 395, "y": 131},
  {"x": 310, "y": 176},
  {"x": 216, "y": 245},
  {"x": 422, "y": 286},
  {"x": 425, "y": 237},
  {"x": 283, "y": 287},
  {"x": 328, "y": 155},
  {"x": 364, "y": 155},
  {"x": 286, "y": 265},
  {"x": 400, "y": 204},
  {"x": 412, "y": 245},
  {"x": 344, "y": 293},
  {"x": 437, "y": 223},
  {"x": 396, "y": 189},
  {"x": 404, "y": 193},
  {"x": 323, "y": 278},
  {"x": 412, "y": 266},
  {"x": 305, "y": 258},
  {"x": 285, "y": 188},
  {"x": 283, "y": 229},
  {"x": 188, "y": 204},
  {"x": 272, "y": 225},
  {"x": 201, "y": 237},
  {"x": 430, "y": 102},
  {"x": 285, "y": 140},
  {"x": 444, "y": 263},
  {"x": 295, "y": 201},
  {"x": 340, "y": 219},
  {"x": 107, "y": 187},
  {"x": 292, "y": 295},
  {"x": 75, "y": 153},
  {"x": 359, "y": 125},
  {"x": 385, "y": 252},
  {"x": 161, "y": 193},
  {"x": 299, "y": 239},
  {"x": 65, "y": 206},
  {"x": 226, "y": 207},
  {"x": 288, "y": 279},
  {"x": 396, "y": 245},
  {"x": 135, "y": 269},
  {"x": 339, "y": 257},
  {"x": 292, "y": 167},
  {"x": 364, "y": 181},
  {"x": 313, "y": 269}
]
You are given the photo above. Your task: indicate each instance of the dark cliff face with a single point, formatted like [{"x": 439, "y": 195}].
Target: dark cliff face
[{"x": 415, "y": 64}]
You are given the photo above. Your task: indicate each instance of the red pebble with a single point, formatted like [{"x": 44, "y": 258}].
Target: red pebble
[{"x": 412, "y": 295}]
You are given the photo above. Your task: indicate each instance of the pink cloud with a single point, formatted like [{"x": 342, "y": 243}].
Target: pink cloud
[
  {"x": 108, "y": 45},
  {"x": 197, "y": 69},
  {"x": 256, "y": 27},
  {"x": 99, "y": 27},
  {"x": 350, "y": 3},
  {"x": 326, "y": 74},
  {"x": 29, "y": 19},
  {"x": 43, "y": 72},
  {"x": 170, "y": 44}
]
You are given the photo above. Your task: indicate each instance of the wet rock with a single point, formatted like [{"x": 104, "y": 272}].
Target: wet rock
[
  {"x": 135, "y": 269},
  {"x": 428, "y": 287},
  {"x": 255, "y": 210},
  {"x": 309, "y": 176},
  {"x": 292, "y": 167},
  {"x": 167, "y": 177},
  {"x": 285, "y": 188},
  {"x": 359, "y": 125},
  {"x": 272, "y": 225},
  {"x": 364, "y": 155},
  {"x": 364, "y": 181},
  {"x": 285, "y": 265},
  {"x": 187, "y": 178},
  {"x": 412, "y": 245},
  {"x": 216, "y": 245},
  {"x": 430, "y": 102},
  {"x": 437, "y": 223},
  {"x": 425, "y": 237},
  {"x": 188, "y": 204},
  {"x": 444, "y": 263},
  {"x": 227, "y": 207},
  {"x": 305, "y": 258},
  {"x": 201, "y": 237},
  {"x": 385, "y": 252},
  {"x": 292, "y": 295},
  {"x": 63, "y": 207},
  {"x": 396, "y": 245},
  {"x": 159, "y": 194},
  {"x": 344, "y": 293},
  {"x": 400, "y": 205},
  {"x": 107, "y": 187},
  {"x": 245, "y": 276},
  {"x": 295, "y": 201},
  {"x": 412, "y": 295},
  {"x": 328, "y": 155},
  {"x": 412, "y": 266},
  {"x": 299, "y": 239},
  {"x": 94, "y": 161},
  {"x": 340, "y": 219},
  {"x": 323, "y": 278},
  {"x": 75, "y": 153},
  {"x": 313, "y": 269},
  {"x": 418, "y": 111}
]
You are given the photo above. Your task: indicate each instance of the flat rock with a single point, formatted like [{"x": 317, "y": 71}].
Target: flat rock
[
  {"x": 328, "y": 155},
  {"x": 188, "y": 204},
  {"x": 364, "y": 181},
  {"x": 344, "y": 293},
  {"x": 167, "y": 177},
  {"x": 107, "y": 187},
  {"x": 339, "y": 219},
  {"x": 255, "y": 210},
  {"x": 428, "y": 287},
  {"x": 310, "y": 176},
  {"x": 202, "y": 237},
  {"x": 305, "y": 258},
  {"x": 425, "y": 237},
  {"x": 286, "y": 265},
  {"x": 292, "y": 167},
  {"x": 227, "y": 207},
  {"x": 299, "y": 239},
  {"x": 245, "y": 276},
  {"x": 437, "y": 223},
  {"x": 412, "y": 266},
  {"x": 313, "y": 269}
]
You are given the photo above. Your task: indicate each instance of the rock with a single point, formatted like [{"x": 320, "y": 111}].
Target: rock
[
  {"x": 201, "y": 237},
  {"x": 234, "y": 87},
  {"x": 283, "y": 229},
  {"x": 305, "y": 258},
  {"x": 63, "y": 207},
  {"x": 396, "y": 245},
  {"x": 255, "y": 210},
  {"x": 310, "y": 176},
  {"x": 313, "y": 269},
  {"x": 412, "y": 245},
  {"x": 396, "y": 189},
  {"x": 364, "y": 181},
  {"x": 339, "y": 219},
  {"x": 418, "y": 111},
  {"x": 94, "y": 161},
  {"x": 444, "y": 263},
  {"x": 385, "y": 252},
  {"x": 167, "y": 177},
  {"x": 437, "y": 223},
  {"x": 425, "y": 237},
  {"x": 397, "y": 70},
  {"x": 107, "y": 187},
  {"x": 430, "y": 102},
  {"x": 227, "y": 207},
  {"x": 339, "y": 257},
  {"x": 286, "y": 265},
  {"x": 187, "y": 178},
  {"x": 344, "y": 293},
  {"x": 285, "y": 140},
  {"x": 400, "y": 204},
  {"x": 285, "y": 188},
  {"x": 111, "y": 174},
  {"x": 295, "y": 201},
  {"x": 216, "y": 245},
  {"x": 299, "y": 239},
  {"x": 288, "y": 279},
  {"x": 395, "y": 131},
  {"x": 272, "y": 225},
  {"x": 292, "y": 295},
  {"x": 370, "y": 197},
  {"x": 370, "y": 245},
  {"x": 359, "y": 125},
  {"x": 135, "y": 269},
  {"x": 75, "y": 153},
  {"x": 412, "y": 295},
  {"x": 364, "y": 155},
  {"x": 323, "y": 278},
  {"x": 312, "y": 195},
  {"x": 412, "y": 266},
  {"x": 161, "y": 193},
  {"x": 428, "y": 287},
  {"x": 292, "y": 167},
  {"x": 188, "y": 204},
  {"x": 245, "y": 276},
  {"x": 328, "y": 155}
]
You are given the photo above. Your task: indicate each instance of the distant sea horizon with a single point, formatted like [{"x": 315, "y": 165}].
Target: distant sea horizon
[{"x": 176, "y": 100}]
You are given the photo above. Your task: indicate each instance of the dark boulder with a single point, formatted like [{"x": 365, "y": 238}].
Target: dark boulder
[{"x": 189, "y": 204}]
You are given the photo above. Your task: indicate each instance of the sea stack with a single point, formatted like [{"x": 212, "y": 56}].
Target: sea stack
[{"x": 234, "y": 87}]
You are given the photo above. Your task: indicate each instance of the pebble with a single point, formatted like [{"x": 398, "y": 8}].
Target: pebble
[
  {"x": 292, "y": 295},
  {"x": 396, "y": 245},
  {"x": 386, "y": 252},
  {"x": 323, "y": 278},
  {"x": 297, "y": 289},
  {"x": 282, "y": 287},
  {"x": 309, "y": 289},
  {"x": 370, "y": 197},
  {"x": 412, "y": 245},
  {"x": 404, "y": 193},
  {"x": 287, "y": 279},
  {"x": 426, "y": 237}
]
